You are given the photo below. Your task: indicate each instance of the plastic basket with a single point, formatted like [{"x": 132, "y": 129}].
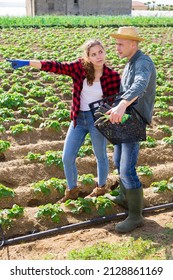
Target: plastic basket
[{"x": 133, "y": 130}]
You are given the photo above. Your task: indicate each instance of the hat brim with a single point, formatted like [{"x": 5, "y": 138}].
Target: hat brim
[{"x": 127, "y": 37}]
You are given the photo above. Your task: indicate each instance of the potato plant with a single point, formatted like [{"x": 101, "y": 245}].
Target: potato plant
[
  {"x": 51, "y": 211},
  {"x": 162, "y": 186},
  {"x": 45, "y": 187},
  {"x": 8, "y": 215},
  {"x": 6, "y": 192},
  {"x": 4, "y": 145}
]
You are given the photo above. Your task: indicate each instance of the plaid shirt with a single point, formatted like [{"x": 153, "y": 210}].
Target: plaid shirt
[{"x": 110, "y": 80}]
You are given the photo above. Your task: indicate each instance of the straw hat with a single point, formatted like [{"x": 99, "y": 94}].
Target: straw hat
[{"x": 129, "y": 33}]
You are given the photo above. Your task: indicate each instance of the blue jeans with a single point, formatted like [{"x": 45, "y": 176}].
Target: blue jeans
[
  {"x": 74, "y": 140},
  {"x": 125, "y": 159}
]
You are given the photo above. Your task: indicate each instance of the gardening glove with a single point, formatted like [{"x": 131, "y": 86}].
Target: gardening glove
[{"x": 18, "y": 63}]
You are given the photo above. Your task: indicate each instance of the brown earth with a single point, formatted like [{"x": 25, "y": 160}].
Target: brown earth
[{"x": 18, "y": 172}]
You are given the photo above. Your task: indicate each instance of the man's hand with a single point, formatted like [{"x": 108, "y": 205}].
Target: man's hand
[
  {"x": 117, "y": 113},
  {"x": 15, "y": 63}
]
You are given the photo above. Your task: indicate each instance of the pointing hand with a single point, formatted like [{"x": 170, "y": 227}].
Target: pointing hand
[{"x": 18, "y": 63}]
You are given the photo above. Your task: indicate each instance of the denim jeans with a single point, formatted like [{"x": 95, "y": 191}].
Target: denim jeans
[
  {"x": 74, "y": 140},
  {"x": 125, "y": 159}
]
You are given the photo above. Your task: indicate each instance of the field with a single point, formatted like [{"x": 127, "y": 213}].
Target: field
[{"x": 34, "y": 118}]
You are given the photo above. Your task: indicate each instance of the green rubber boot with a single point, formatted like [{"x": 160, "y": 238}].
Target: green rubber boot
[
  {"x": 135, "y": 206},
  {"x": 119, "y": 199}
]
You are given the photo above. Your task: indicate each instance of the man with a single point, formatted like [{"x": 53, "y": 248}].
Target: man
[{"x": 138, "y": 84}]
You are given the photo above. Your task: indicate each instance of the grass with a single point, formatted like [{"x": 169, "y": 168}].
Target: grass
[{"x": 130, "y": 250}]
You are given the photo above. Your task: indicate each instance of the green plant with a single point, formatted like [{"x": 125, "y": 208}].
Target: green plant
[
  {"x": 87, "y": 140},
  {"x": 161, "y": 105},
  {"x": 11, "y": 100},
  {"x": 52, "y": 99},
  {"x": 149, "y": 143},
  {"x": 6, "y": 113},
  {"x": 19, "y": 128},
  {"x": 50, "y": 158},
  {"x": 132, "y": 249},
  {"x": 51, "y": 124},
  {"x": 162, "y": 186},
  {"x": 54, "y": 157},
  {"x": 33, "y": 156},
  {"x": 168, "y": 140},
  {"x": 23, "y": 110},
  {"x": 4, "y": 145},
  {"x": 36, "y": 91},
  {"x": 2, "y": 128},
  {"x": 37, "y": 109},
  {"x": 8, "y": 215},
  {"x": 34, "y": 118},
  {"x": 79, "y": 205},
  {"x": 102, "y": 203},
  {"x": 87, "y": 179},
  {"x": 50, "y": 210},
  {"x": 45, "y": 186},
  {"x": 165, "y": 128},
  {"x": 60, "y": 115},
  {"x": 164, "y": 114},
  {"x": 85, "y": 150},
  {"x": 144, "y": 170},
  {"x": 5, "y": 191}
]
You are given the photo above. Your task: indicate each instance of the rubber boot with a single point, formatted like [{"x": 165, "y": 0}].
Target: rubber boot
[
  {"x": 135, "y": 206},
  {"x": 69, "y": 194},
  {"x": 119, "y": 199}
]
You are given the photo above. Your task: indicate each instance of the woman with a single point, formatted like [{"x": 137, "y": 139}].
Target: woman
[{"x": 92, "y": 80}]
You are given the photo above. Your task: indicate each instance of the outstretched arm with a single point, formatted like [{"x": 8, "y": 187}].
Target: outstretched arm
[{"x": 16, "y": 63}]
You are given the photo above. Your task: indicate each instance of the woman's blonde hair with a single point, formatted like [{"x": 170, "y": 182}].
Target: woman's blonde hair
[{"x": 88, "y": 66}]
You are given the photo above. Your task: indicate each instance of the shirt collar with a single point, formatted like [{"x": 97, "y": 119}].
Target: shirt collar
[{"x": 135, "y": 56}]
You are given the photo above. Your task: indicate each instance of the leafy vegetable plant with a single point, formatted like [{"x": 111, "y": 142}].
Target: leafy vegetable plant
[
  {"x": 50, "y": 210},
  {"x": 5, "y": 191},
  {"x": 19, "y": 128},
  {"x": 87, "y": 179},
  {"x": 102, "y": 203},
  {"x": 8, "y": 215},
  {"x": 45, "y": 186},
  {"x": 149, "y": 143},
  {"x": 4, "y": 145},
  {"x": 144, "y": 170},
  {"x": 162, "y": 186},
  {"x": 168, "y": 140},
  {"x": 79, "y": 205}
]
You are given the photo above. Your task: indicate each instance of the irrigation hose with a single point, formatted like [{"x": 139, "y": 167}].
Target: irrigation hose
[
  {"x": 2, "y": 241},
  {"x": 36, "y": 235}
]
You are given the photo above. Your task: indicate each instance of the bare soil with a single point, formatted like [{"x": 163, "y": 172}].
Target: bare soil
[{"x": 20, "y": 173}]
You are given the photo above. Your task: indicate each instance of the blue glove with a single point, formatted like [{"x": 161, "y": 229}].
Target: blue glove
[{"x": 18, "y": 63}]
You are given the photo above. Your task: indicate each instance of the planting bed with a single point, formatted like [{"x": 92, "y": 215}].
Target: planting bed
[{"x": 30, "y": 153}]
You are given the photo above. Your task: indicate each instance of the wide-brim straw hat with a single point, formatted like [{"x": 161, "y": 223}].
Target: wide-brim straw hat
[{"x": 128, "y": 33}]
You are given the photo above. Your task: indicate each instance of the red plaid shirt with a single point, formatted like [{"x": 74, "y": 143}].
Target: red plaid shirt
[{"x": 110, "y": 80}]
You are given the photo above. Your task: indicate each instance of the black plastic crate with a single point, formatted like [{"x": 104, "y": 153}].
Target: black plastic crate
[{"x": 133, "y": 130}]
